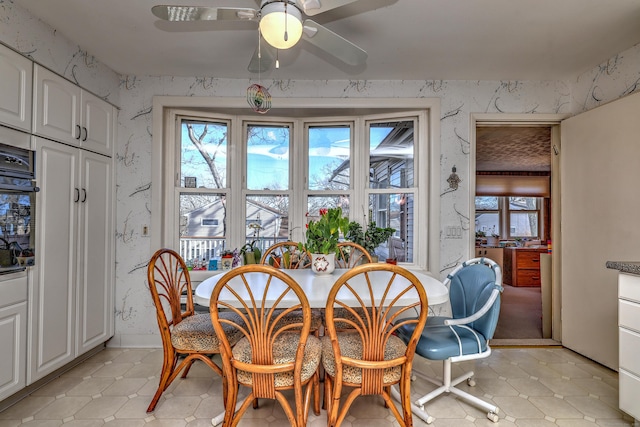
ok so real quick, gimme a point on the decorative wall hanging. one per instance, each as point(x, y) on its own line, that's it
point(259, 98)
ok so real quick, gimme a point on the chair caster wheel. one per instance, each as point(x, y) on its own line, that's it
point(471, 382)
point(429, 420)
point(493, 417)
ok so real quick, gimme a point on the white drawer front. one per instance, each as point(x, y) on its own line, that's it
point(629, 394)
point(13, 291)
point(629, 287)
point(629, 315)
point(629, 351)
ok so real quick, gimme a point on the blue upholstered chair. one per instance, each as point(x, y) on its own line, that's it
point(474, 292)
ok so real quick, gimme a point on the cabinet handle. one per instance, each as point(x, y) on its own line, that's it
point(84, 195)
point(86, 134)
point(77, 195)
point(78, 132)
point(535, 278)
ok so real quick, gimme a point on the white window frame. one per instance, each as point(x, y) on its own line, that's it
point(504, 217)
point(165, 109)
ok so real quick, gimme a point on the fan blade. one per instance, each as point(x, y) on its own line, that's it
point(198, 13)
point(313, 7)
point(332, 43)
point(260, 65)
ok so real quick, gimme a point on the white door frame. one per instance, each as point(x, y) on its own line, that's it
point(553, 120)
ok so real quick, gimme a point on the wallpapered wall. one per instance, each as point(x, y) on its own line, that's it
point(135, 317)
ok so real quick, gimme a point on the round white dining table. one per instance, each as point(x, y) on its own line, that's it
point(316, 287)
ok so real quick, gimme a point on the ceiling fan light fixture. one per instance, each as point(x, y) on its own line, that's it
point(281, 24)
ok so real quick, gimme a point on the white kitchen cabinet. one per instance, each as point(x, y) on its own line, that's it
point(13, 333)
point(629, 343)
point(72, 301)
point(66, 113)
point(15, 89)
point(494, 254)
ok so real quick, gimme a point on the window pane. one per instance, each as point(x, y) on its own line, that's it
point(202, 225)
point(315, 203)
point(524, 224)
point(267, 220)
point(487, 203)
point(203, 152)
point(268, 157)
point(395, 211)
point(488, 223)
point(329, 157)
point(523, 203)
point(391, 153)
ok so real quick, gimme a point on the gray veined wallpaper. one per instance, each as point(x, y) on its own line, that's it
point(135, 318)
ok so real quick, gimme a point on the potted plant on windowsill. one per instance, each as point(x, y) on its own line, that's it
point(493, 240)
point(370, 239)
point(322, 240)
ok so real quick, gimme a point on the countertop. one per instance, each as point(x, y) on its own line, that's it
point(624, 266)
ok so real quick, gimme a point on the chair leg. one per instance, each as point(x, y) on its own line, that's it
point(418, 411)
point(448, 385)
point(168, 365)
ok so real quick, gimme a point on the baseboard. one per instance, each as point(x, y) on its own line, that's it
point(519, 342)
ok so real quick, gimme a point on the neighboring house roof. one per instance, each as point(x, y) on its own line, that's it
point(208, 221)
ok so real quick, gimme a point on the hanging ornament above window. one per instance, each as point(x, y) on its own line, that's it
point(259, 98)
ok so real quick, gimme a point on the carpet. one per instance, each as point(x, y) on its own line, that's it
point(520, 313)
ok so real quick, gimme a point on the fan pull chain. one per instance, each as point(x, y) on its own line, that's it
point(277, 59)
point(286, 22)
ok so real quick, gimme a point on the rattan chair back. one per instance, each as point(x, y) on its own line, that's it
point(275, 353)
point(351, 254)
point(286, 255)
point(369, 358)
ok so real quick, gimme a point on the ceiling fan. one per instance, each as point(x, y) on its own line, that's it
point(281, 25)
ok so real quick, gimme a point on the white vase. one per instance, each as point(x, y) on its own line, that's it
point(323, 263)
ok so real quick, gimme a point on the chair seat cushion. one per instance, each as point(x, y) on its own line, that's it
point(439, 342)
point(195, 333)
point(295, 316)
point(284, 351)
point(351, 346)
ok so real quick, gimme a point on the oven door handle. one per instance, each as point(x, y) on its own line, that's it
point(21, 188)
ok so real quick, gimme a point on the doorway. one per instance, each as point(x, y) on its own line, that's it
point(513, 167)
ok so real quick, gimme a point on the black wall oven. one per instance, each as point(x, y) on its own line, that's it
point(17, 201)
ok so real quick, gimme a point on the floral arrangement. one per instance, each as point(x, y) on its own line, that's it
point(323, 235)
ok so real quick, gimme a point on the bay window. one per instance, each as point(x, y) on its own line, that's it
point(235, 179)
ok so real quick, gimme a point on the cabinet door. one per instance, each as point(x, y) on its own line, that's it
point(97, 124)
point(95, 253)
point(13, 335)
point(15, 89)
point(52, 311)
point(57, 109)
point(497, 255)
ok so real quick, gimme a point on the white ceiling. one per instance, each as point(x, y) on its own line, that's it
point(405, 39)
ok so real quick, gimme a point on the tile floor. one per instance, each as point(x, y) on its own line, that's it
point(533, 386)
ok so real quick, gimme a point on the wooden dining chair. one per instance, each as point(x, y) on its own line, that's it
point(351, 254)
point(287, 255)
point(269, 358)
point(185, 335)
point(370, 358)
